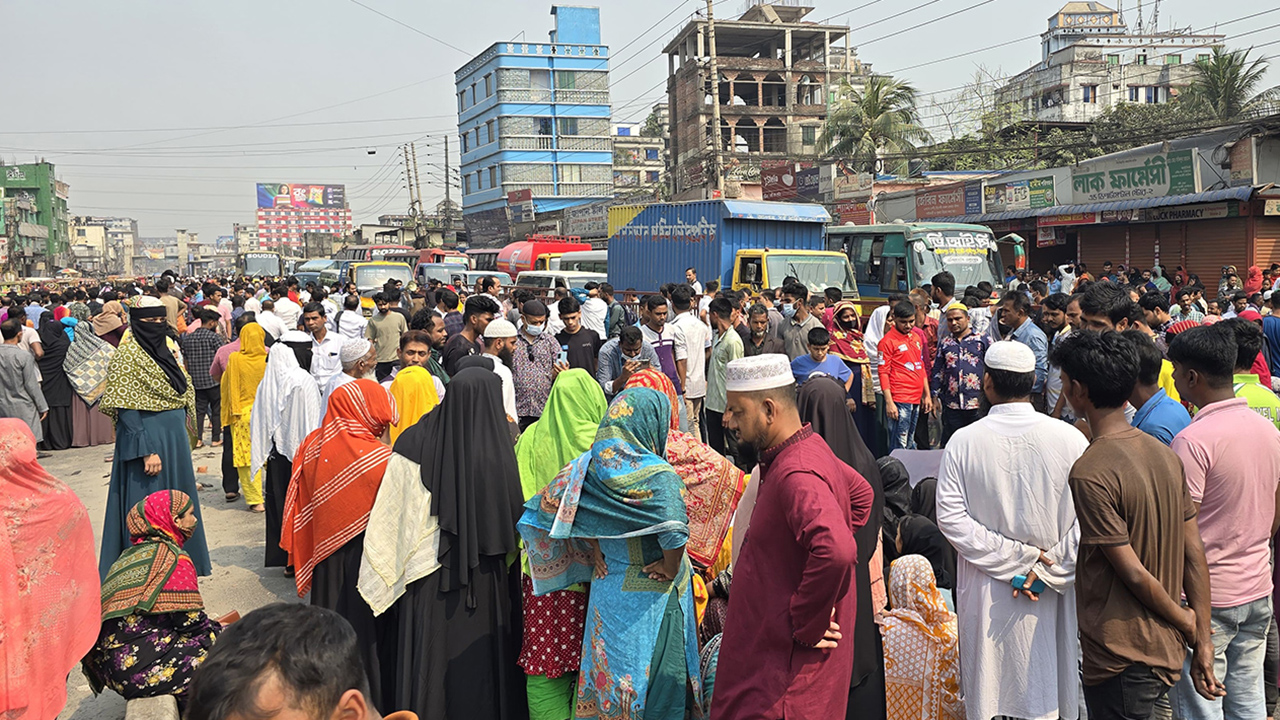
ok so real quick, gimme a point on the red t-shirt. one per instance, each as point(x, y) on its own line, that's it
point(902, 365)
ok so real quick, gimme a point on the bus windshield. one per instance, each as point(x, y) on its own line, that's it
point(373, 277)
point(970, 257)
point(816, 272)
point(261, 265)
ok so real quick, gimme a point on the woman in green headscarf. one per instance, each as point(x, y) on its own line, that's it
point(551, 651)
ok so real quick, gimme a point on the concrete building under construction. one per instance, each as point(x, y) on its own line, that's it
point(778, 76)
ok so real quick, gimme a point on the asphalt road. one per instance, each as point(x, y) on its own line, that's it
point(236, 541)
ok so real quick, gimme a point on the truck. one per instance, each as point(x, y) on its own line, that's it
point(745, 244)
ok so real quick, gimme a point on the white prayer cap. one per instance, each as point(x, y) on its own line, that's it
point(147, 301)
point(353, 350)
point(762, 372)
point(1011, 356)
point(292, 336)
point(500, 328)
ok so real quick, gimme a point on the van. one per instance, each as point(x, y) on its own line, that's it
point(552, 279)
point(596, 261)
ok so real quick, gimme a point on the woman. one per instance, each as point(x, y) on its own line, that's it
point(85, 365)
point(1159, 281)
point(895, 483)
point(551, 650)
point(48, 587)
point(336, 474)
point(846, 343)
point(414, 392)
point(150, 398)
point(921, 655)
point(640, 651)
point(54, 383)
point(239, 386)
point(435, 556)
point(1253, 280)
point(154, 629)
point(822, 405)
point(110, 323)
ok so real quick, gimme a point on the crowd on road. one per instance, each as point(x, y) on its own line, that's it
point(503, 504)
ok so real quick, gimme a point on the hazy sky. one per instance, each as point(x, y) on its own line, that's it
point(168, 112)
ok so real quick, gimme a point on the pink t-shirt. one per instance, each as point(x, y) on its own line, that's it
point(1231, 456)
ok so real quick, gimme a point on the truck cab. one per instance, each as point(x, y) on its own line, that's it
point(755, 269)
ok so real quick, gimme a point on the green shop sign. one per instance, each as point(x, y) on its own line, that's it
point(1136, 178)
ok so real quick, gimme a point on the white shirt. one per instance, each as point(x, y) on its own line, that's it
point(31, 337)
point(288, 311)
point(697, 287)
point(1002, 496)
point(272, 323)
point(352, 324)
point(508, 386)
point(554, 324)
point(252, 304)
point(697, 338)
point(326, 358)
point(595, 313)
point(871, 335)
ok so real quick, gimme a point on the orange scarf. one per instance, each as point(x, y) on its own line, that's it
point(330, 498)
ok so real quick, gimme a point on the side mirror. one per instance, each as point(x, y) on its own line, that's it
point(753, 273)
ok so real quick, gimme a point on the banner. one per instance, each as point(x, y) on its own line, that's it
point(301, 197)
point(588, 221)
point(1071, 219)
point(1136, 178)
point(784, 179)
point(1032, 194)
point(839, 182)
point(851, 213)
point(973, 198)
point(946, 202)
point(1208, 211)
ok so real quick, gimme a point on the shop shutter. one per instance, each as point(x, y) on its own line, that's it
point(1210, 245)
point(1099, 243)
point(1142, 248)
point(1267, 243)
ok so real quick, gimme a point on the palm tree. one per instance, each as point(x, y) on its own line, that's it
point(1226, 84)
point(878, 120)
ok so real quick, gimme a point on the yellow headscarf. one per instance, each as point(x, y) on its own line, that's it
point(244, 372)
point(414, 391)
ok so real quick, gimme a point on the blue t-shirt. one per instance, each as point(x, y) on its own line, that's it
point(1161, 417)
point(804, 367)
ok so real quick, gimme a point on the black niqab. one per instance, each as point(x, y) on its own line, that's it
point(302, 351)
point(897, 502)
point(922, 537)
point(469, 465)
point(153, 337)
point(924, 499)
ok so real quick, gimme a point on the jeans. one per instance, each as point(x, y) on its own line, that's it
point(1240, 646)
point(209, 402)
point(902, 431)
point(1131, 695)
point(953, 420)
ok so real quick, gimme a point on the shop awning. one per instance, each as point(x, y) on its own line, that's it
point(1237, 193)
point(987, 217)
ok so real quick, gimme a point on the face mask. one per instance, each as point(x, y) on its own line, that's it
point(847, 324)
point(534, 330)
point(788, 310)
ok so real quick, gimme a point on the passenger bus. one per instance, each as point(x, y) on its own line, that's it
point(537, 252)
point(484, 258)
point(595, 261)
point(260, 264)
point(370, 253)
point(414, 258)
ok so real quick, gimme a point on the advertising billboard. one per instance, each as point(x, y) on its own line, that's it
point(299, 196)
point(1136, 177)
point(946, 202)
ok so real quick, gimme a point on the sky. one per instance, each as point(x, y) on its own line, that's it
point(170, 112)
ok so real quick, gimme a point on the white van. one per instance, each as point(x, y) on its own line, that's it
point(552, 279)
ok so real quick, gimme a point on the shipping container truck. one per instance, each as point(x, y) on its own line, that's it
point(742, 243)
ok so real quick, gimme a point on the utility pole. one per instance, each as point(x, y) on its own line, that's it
point(450, 238)
point(715, 100)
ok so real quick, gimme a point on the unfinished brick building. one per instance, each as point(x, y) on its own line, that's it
point(778, 75)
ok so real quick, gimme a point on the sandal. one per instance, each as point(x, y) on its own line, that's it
point(232, 497)
point(259, 508)
point(288, 571)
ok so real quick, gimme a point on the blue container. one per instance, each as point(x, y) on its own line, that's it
point(661, 241)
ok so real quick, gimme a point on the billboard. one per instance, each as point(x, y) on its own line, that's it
point(945, 202)
point(1136, 177)
point(299, 196)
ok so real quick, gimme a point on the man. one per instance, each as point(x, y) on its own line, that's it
point(270, 322)
point(697, 339)
point(956, 380)
point(1018, 458)
point(726, 346)
point(691, 279)
point(198, 350)
point(1239, 303)
point(499, 348)
point(1055, 316)
point(433, 325)
point(1271, 330)
point(768, 298)
point(358, 361)
point(622, 357)
point(669, 343)
point(1158, 415)
point(797, 320)
point(477, 313)
point(326, 347)
point(903, 380)
point(20, 393)
point(534, 364)
point(286, 307)
point(1105, 306)
point(1107, 273)
point(579, 346)
point(616, 317)
point(596, 311)
point(1248, 340)
point(173, 307)
point(349, 322)
point(1140, 546)
point(284, 661)
point(1016, 314)
point(761, 341)
point(447, 309)
point(1186, 309)
point(28, 338)
point(385, 329)
point(794, 590)
point(35, 309)
point(1155, 312)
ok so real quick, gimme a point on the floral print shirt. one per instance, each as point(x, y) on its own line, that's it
point(957, 370)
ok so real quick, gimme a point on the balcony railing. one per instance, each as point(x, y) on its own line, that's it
point(526, 142)
point(585, 142)
point(583, 97)
point(530, 95)
point(546, 95)
point(585, 188)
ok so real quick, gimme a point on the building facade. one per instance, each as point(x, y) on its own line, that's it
point(103, 244)
point(288, 211)
point(534, 116)
point(778, 77)
point(246, 237)
point(1090, 61)
point(638, 161)
point(35, 221)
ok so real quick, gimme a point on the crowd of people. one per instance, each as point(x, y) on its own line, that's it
point(503, 505)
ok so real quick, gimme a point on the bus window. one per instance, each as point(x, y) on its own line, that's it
point(749, 271)
point(866, 253)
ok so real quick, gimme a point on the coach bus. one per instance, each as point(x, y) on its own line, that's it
point(370, 253)
point(260, 264)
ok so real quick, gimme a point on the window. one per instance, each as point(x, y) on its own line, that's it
point(567, 126)
point(569, 173)
point(462, 101)
point(488, 129)
point(1203, 57)
point(544, 126)
point(1090, 94)
point(566, 80)
point(464, 140)
point(487, 87)
point(651, 176)
point(466, 184)
point(1153, 94)
point(493, 176)
point(473, 93)
point(1172, 59)
point(809, 135)
point(624, 132)
point(479, 180)
point(1113, 60)
point(1140, 60)
point(651, 153)
point(1133, 93)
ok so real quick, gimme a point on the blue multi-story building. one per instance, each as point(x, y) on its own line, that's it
point(535, 116)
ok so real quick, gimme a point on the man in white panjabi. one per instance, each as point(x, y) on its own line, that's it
point(1004, 504)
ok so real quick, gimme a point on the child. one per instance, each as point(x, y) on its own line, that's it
point(902, 377)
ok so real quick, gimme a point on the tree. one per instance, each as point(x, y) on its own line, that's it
point(1226, 85)
point(877, 120)
point(652, 125)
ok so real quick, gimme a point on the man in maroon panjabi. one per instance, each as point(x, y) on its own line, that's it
point(782, 654)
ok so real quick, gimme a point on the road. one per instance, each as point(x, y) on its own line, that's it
point(236, 540)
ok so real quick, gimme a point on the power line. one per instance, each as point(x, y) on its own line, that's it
point(927, 22)
point(410, 27)
point(894, 16)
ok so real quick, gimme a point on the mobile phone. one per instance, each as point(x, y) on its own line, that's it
point(1037, 587)
point(564, 355)
point(643, 363)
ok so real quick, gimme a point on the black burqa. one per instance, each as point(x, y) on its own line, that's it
point(920, 536)
point(153, 338)
point(822, 405)
point(55, 384)
point(277, 474)
point(458, 634)
point(897, 503)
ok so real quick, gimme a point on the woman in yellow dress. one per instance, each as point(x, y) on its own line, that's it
point(245, 369)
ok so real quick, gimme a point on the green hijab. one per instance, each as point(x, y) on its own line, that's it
point(566, 430)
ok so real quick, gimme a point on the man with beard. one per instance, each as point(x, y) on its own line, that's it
point(290, 401)
point(1055, 317)
point(359, 360)
point(760, 341)
point(793, 591)
point(499, 348)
